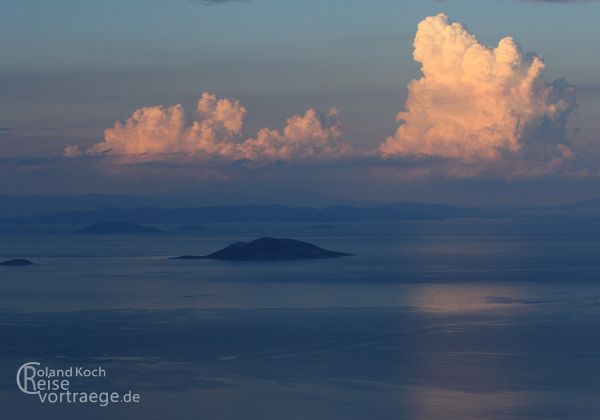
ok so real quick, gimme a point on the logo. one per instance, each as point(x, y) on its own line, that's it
point(54, 385)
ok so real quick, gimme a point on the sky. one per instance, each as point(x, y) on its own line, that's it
point(379, 100)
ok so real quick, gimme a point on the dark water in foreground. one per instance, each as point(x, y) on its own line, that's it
point(468, 319)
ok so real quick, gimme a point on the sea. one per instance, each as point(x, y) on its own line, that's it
point(440, 319)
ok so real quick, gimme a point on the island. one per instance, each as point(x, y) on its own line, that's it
point(189, 228)
point(322, 227)
point(117, 228)
point(268, 249)
point(16, 262)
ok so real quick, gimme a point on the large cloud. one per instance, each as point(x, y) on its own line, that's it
point(157, 133)
point(477, 104)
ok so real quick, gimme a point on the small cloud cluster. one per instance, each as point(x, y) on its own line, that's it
point(308, 136)
point(72, 151)
point(216, 131)
point(477, 104)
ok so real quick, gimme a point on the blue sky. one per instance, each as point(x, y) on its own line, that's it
point(70, 69)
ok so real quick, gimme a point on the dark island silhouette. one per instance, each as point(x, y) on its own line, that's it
point(16, 262)
point(190, 228)
point(268, 249)
point(116, 228)
point(322, 227)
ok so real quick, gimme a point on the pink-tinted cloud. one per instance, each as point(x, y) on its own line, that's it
point(72, 151)
point(156, 130)
point(308, 136)
point(476, 111)
point(157, 133)
point(477, 104)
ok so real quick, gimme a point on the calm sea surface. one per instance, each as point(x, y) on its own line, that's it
point(461, 319)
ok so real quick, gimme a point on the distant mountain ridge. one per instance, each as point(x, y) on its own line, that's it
point(248, 214)
point(116, 228)
point(20, 205)
point(289, 214)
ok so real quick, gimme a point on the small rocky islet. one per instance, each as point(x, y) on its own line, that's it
point(191, 228)
point(17, 262)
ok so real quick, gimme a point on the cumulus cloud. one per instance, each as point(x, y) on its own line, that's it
point(476, 111)
point(72, 151)
point(478, 104)
point(310, 135)
point(216, 131)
